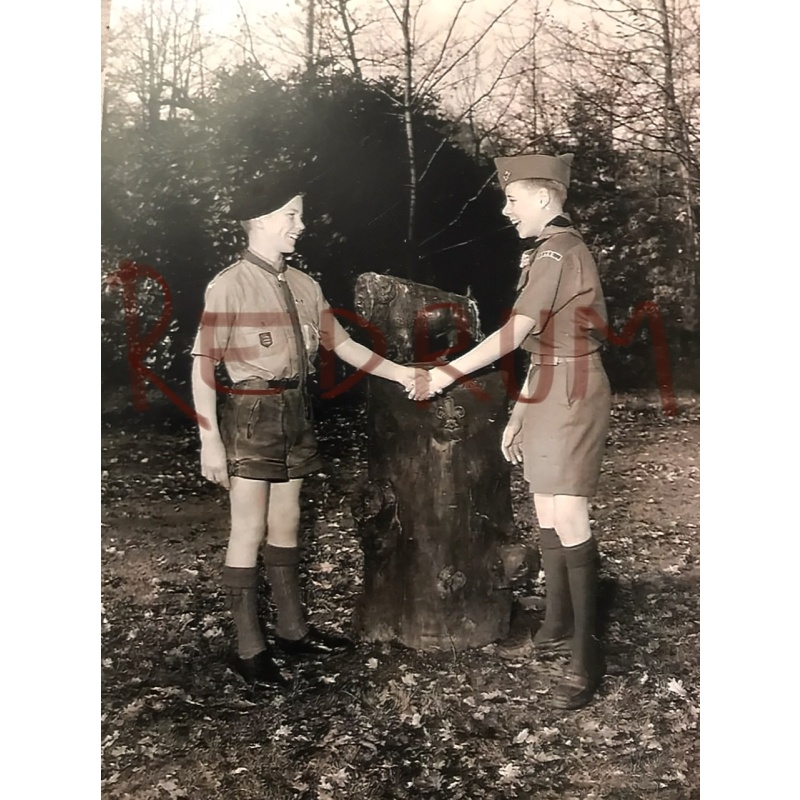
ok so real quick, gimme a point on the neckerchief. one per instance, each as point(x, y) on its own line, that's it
point(294, 318)
point(532, 242)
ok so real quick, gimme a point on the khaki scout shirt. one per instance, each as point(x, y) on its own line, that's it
point(559, 288)
point(245, 322)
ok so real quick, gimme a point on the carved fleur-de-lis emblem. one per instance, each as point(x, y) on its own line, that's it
point(450, 414)
point(385, 291)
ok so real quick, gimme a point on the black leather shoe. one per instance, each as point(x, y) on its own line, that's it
point(315, 643)
point(579, 684)
point(261, 668)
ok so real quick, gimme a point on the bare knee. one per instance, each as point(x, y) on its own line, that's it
point(283, 521)
point(248, 520)
point(282, 530)
point(543, 503)
point(571, 519)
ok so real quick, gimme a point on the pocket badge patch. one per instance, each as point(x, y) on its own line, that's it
point(265, 339)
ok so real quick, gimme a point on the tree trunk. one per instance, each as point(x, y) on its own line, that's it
point(311, 65)
point(435, 519)
point(349, 39)
point(436, 523)
point(408, 94)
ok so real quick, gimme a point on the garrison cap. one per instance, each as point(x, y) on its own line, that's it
point(526, 167)
point(264, 195)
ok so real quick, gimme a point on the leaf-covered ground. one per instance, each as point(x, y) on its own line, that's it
point(385, 721)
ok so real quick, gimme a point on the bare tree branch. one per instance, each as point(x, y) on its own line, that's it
point(460, 212)
point(453, 22)
point(425, 87)
point(394, 11)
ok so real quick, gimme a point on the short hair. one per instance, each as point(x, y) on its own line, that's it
point(557, 189)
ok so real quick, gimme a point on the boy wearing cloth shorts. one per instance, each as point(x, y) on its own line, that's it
point(265, 321)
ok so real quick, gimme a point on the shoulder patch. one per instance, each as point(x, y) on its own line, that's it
point(549, 254)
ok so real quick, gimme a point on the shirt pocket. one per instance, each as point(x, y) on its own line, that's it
point(310, 337)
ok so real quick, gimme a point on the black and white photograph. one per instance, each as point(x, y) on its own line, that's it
point(400, 400)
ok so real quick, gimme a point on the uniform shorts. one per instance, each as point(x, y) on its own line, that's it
point(269, 436)
point(564, 432)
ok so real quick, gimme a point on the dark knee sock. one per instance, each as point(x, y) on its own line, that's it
point(283, 573)
point(583, 569)
point(242, 587)
point(558, 603)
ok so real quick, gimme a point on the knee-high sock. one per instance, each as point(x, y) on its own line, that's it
point(283, 573)
point(558, 619)
point(583, 571)
point(242, 588)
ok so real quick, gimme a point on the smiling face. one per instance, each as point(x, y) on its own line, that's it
point(529, 207)
point(278, 231)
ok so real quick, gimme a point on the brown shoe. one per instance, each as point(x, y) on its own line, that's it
point(561, 645)
point(518, 645)
point(575, 690)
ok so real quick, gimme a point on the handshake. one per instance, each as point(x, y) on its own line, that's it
point(423, 384)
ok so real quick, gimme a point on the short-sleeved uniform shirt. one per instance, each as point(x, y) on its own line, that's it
point(565, 424)
point(246, 325)
point(559, 288)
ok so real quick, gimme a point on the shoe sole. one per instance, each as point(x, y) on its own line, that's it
point(250, 680)
point(531, 648)
point(554, 647)
point(573, 704)
point(518, 652)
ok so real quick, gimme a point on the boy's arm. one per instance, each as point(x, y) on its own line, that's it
point(335, 338)
point(213, 461)
point(362, 358)
point(501, 342)
point(511, 444)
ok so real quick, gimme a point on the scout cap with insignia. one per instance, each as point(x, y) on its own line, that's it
point(264, 195)
point(526, 167)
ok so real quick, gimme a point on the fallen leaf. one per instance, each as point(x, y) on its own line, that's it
point(676, 687)
point(509, 773)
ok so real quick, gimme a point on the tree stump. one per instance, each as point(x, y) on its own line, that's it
point(417, 323)
point(435, 520)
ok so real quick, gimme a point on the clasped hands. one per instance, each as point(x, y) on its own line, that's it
point(424, 384)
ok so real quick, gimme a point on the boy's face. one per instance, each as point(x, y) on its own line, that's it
point(526, 207)
point(281, 229)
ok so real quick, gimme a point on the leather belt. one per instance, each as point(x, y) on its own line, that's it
point(539, 360)
point(263, 383)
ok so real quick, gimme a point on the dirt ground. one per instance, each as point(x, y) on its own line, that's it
point(385, 721)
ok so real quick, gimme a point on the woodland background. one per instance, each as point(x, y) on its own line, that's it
point(393, 110)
